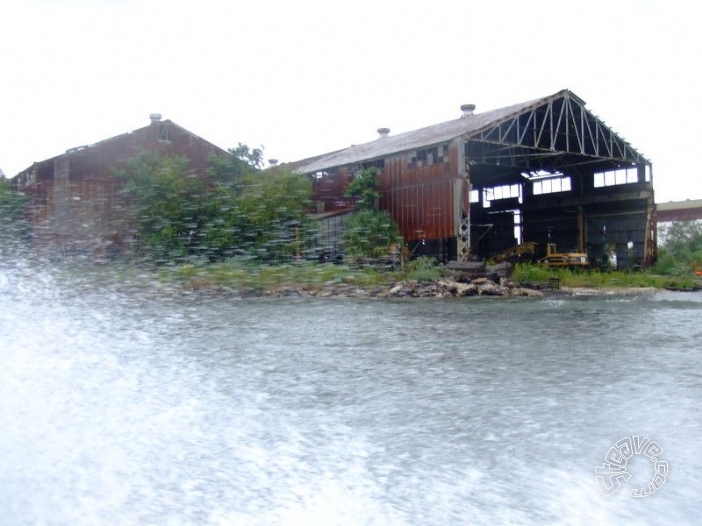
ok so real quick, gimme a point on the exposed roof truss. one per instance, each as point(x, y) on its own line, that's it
point(560, 128)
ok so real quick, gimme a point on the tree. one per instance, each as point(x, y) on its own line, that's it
point(365, 188)
point(168, 204)
point(230, 169)
point(681, 251)
point(370, 231)
point(235, 210)
point(251, 156)
point(273, 211)
point(14, 225)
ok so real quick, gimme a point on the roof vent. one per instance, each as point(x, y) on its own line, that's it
point(155, 117)
point(273, 162)
point(467, 109)
point(383, 133)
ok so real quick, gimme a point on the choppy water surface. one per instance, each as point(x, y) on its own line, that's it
point(124, 407)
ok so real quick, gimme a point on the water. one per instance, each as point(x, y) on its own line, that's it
point(121, 406)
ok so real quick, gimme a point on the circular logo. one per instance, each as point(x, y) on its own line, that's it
point(610, 474)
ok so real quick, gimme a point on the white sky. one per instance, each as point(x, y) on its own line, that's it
point(305, 77)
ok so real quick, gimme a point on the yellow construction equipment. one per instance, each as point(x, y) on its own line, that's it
point(564, 259)
point(531, 252)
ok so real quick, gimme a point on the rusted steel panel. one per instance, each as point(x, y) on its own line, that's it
point(422, 211)
point(418, 198)
point(329, 191)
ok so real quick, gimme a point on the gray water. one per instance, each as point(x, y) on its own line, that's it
point(121, 406)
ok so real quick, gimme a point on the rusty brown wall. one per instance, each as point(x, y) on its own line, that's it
point(419, 199)
point(77, 202)
point(329, 190)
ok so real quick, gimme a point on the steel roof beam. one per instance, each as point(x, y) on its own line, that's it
point(570, 128)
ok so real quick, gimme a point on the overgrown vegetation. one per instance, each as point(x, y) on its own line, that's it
point(243, 274)
point(680, 254)
point(237, 210)
point(679, 257)
point(424, 268)
point(14, 226)
point(370, 232)
point(534, 273)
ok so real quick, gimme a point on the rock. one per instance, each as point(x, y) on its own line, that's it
point(489, 288)
point(454, 288)
point(425, 291)
point(524, 292)
point(470, 270)
point(396, 289)
point(468, 290)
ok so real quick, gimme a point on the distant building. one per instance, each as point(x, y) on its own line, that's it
point(546, 170)
point(688, 210)
point(673, 211)
point(76, 202)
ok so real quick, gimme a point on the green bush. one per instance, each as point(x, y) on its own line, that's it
point(598, 278)
point(529, 272)
point(681, 252)
point(370, 234)
point(365, 188)
point(234, 210)
point(424, 268)
point(13, 210)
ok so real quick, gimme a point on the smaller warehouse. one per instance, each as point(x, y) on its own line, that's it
point(77, 205)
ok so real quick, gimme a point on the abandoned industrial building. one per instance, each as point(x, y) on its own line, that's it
point(76, 202)
point(544, 171)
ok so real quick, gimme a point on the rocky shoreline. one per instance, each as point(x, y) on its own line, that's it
point(441, 288)
point(454, 283)
point(444, 288)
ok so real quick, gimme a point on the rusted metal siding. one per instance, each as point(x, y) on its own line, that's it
point(419, 199)
point(418, 192)
point(420, 196)
point(329, 191)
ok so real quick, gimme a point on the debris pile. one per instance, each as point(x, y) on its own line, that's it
point(448, 287)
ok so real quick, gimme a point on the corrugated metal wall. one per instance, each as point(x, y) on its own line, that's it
point(417, 189)
point(419, 198)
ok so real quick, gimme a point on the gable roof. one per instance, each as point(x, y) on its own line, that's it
point(111, 140)
point(465, 126)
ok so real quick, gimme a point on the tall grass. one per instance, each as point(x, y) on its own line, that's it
point(244, 276)
point(598, 278)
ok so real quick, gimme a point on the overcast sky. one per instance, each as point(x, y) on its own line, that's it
point(303, 77)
